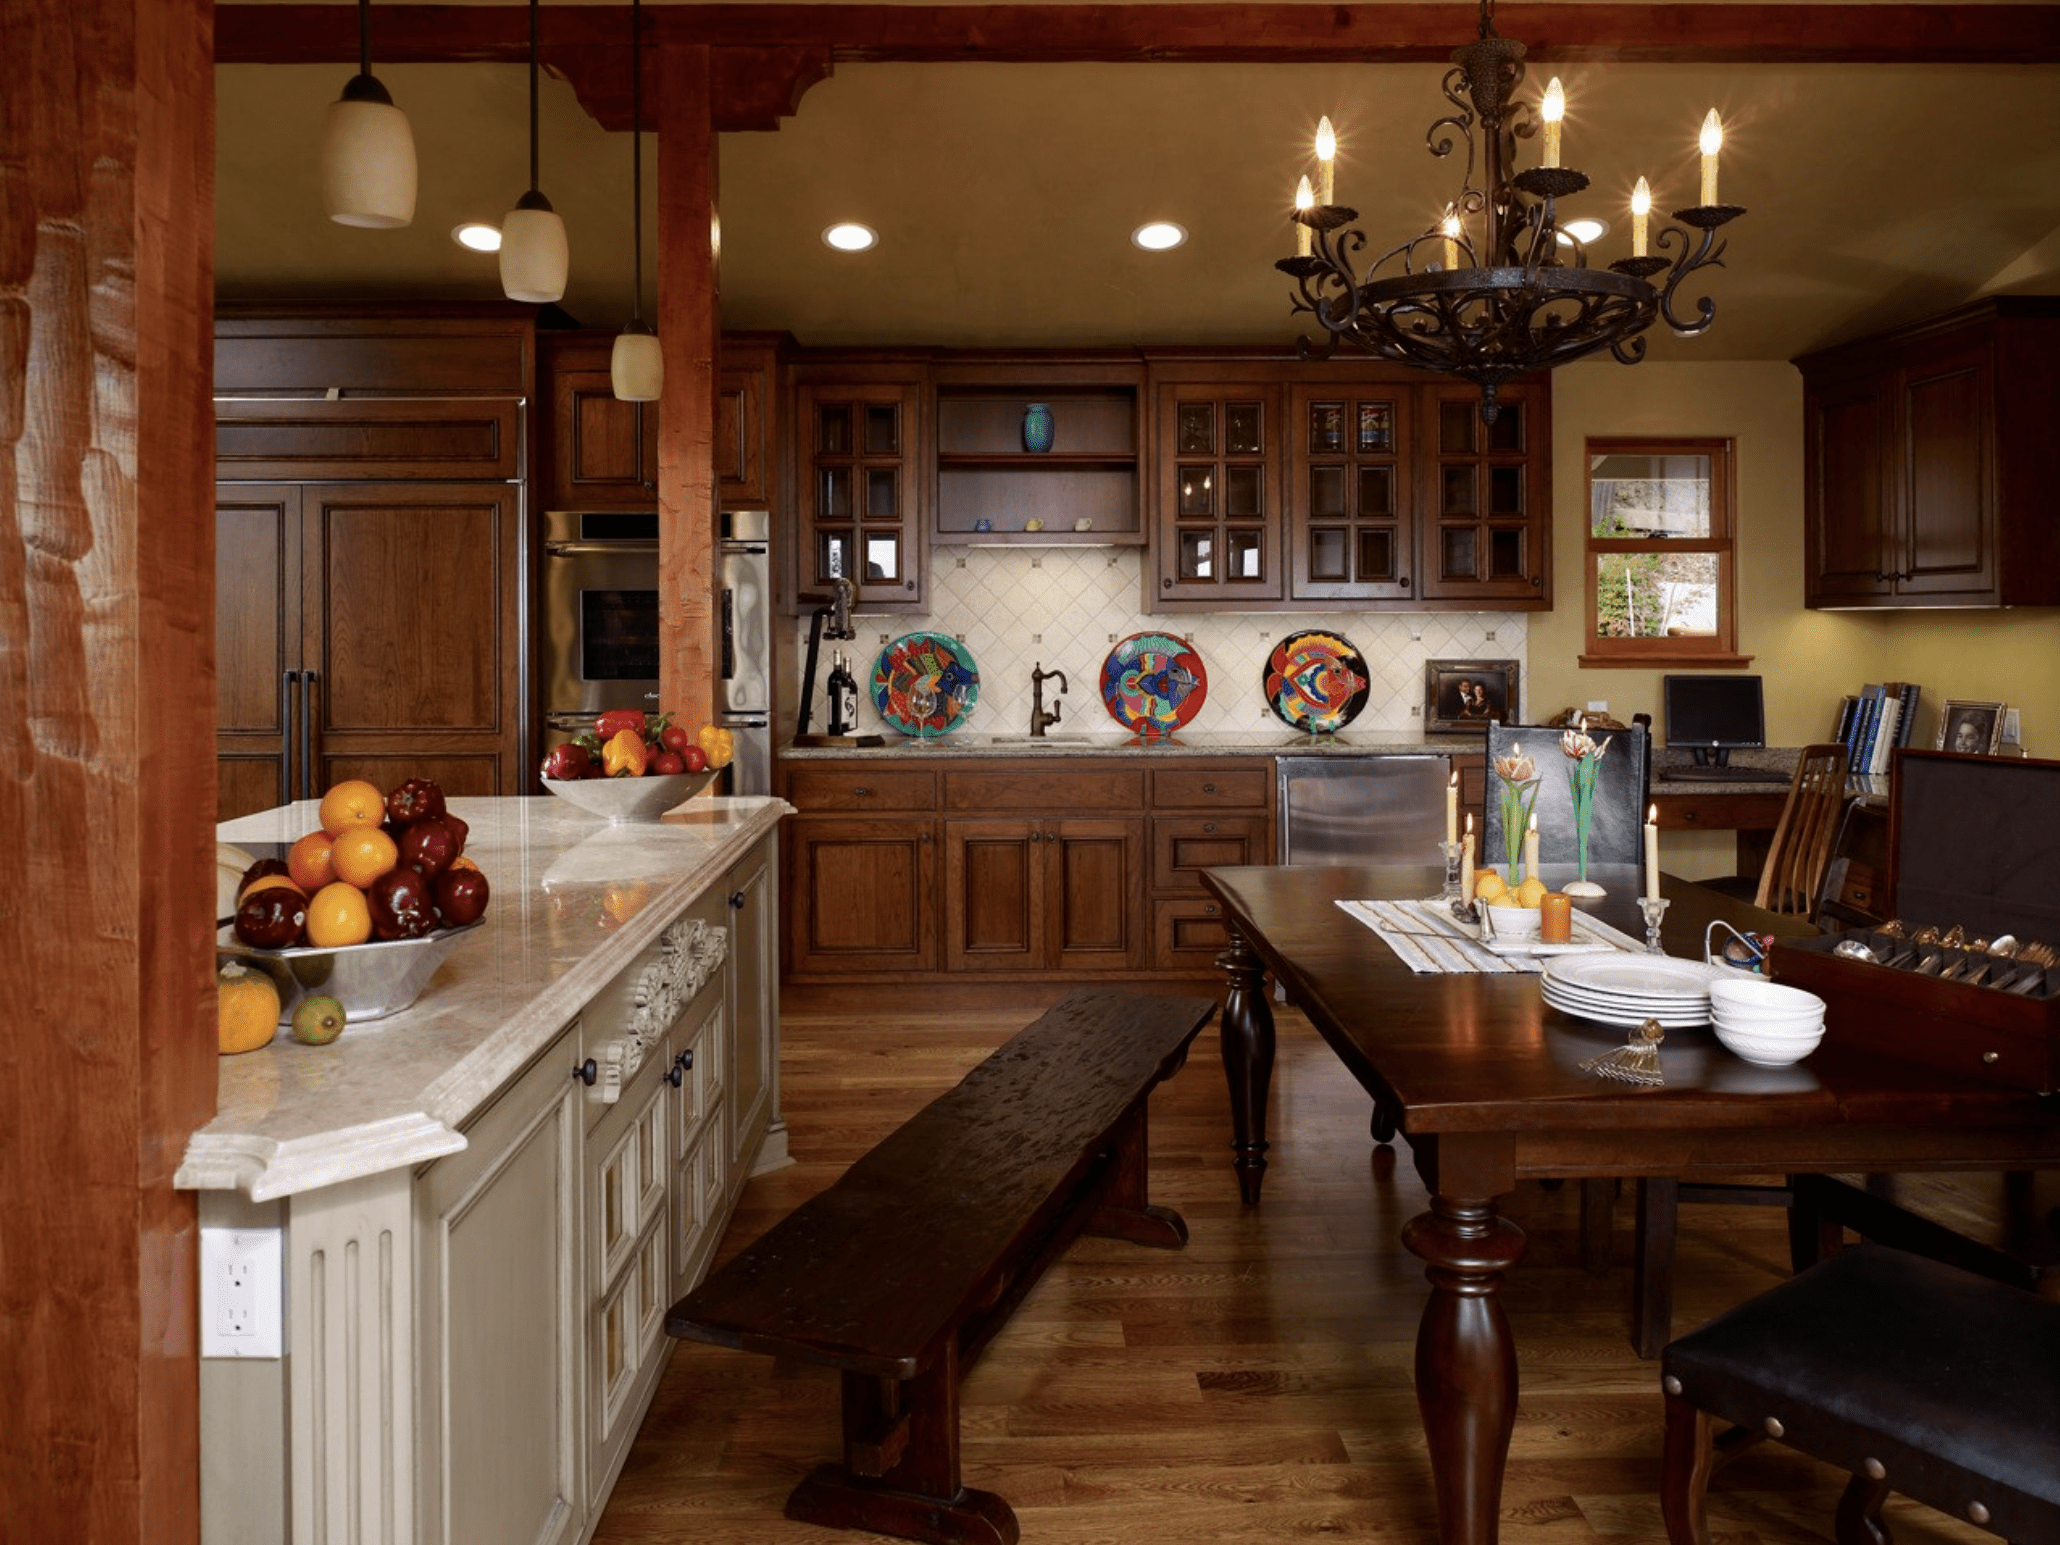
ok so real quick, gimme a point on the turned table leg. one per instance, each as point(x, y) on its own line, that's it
point(1465, 1360)
point(1247, 1059)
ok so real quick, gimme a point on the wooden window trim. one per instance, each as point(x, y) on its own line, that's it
point(1718, 650)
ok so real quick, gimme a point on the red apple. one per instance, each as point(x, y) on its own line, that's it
point(272, 918)
point(428, 846)
point(401, 905)
point(416, 800)
point(461, 896)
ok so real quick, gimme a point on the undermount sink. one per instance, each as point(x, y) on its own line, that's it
point(1048, 738)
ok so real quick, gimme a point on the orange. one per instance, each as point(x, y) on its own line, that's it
point(354, 802)
point(308, 862)
point(265, 880)
point(461, 862)
point(246, 1009)
point(338, 915)
point(362, 854)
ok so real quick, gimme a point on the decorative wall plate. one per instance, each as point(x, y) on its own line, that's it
point(1153, 683)
point(925, 684)
point(1316, 681)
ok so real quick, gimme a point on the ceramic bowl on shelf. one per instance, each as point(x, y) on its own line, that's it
point(623, 800)
point(370, 980)
point(1514, 922)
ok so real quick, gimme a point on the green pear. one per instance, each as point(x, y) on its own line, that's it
point(317, 1020)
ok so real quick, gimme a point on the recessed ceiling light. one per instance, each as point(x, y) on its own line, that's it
point(850, 236)
point(478, 236)
point(1587, 230)
point(1159, 235)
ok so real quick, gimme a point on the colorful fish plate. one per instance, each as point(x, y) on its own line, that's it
point(1153, 683)
point(925, 684)
point(1316, 681)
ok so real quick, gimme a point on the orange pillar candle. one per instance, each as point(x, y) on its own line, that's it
point(1556, 918)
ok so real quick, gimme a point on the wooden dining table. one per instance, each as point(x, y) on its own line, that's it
point(1483, 1081)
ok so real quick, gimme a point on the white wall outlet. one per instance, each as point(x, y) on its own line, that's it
point(242, 1305)
point(1598, 705)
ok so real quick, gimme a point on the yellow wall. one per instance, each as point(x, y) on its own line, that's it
point(1809, 659)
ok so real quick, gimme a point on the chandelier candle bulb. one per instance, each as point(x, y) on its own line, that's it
point(1552, 110)
point(1712, 142)
point(1652, 852)
point(1641, 206)
point(1451, 229)
point(1326, 163)
point(1305, 198)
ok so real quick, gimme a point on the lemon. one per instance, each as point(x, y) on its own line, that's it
point(1530, 893)
point(246, 1009)
point(1487, 885)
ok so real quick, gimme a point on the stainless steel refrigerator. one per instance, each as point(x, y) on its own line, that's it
point(744, 689)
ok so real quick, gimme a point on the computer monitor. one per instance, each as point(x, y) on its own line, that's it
point(1713, 714)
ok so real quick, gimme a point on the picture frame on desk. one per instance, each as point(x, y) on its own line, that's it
point(1968, 727)
point(1468, 694)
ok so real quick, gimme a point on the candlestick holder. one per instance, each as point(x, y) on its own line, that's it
point(1654, 908)
point(1452, 851)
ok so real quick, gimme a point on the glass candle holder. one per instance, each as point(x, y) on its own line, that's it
point(1452, 852)
point(1654, 908)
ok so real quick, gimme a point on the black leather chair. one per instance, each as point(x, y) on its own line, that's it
point(1914, 1377)
point(1617, 822)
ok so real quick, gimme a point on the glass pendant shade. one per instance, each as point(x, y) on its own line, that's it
point(637, 367)
point(534, 254)
point(367, 159)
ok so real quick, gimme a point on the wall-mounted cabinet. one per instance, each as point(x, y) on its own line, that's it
point(862, 467)
point(1001, 482)
point(1219, 517)
point(1486, 496)
point(1927, 473)
point(1352, 530)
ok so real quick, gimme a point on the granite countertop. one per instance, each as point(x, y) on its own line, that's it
point(574, 901)
point(1113, 742)
point(1778, 762)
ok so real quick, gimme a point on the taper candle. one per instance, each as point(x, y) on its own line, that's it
point(1552, 109)
point(1641, 206)
point(1712, 141)
point(1652, 853)
point(1451, 227)
point(1466, 862)
point(1326, 162)
point(1452, 807)
point(1531, 850)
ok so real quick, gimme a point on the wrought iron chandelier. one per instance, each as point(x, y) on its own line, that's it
point(1524, 297)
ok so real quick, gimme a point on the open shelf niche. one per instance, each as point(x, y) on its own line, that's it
point(1090, 473)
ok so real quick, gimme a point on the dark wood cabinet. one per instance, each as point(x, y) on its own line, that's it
point(600, 453)
point(863, 893)
point(1044, 894)
point(366, 630)
point(745, 390)
point(1219, 515)
point(862, 465)
point(1927, 478)
point(1485, 496)
point(1351, 499)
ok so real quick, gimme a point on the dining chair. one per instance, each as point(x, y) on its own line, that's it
point(1616, 825)
point(1792, 879)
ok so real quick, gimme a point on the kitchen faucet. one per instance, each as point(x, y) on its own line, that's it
point(1038, 717)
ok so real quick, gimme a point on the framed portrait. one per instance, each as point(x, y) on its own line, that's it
point(1972, 728)
point(1468, 694)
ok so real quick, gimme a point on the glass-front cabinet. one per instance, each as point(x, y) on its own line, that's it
point(861, 492)
point(1487, 500)
point(1352, 527)
point(1220, 511)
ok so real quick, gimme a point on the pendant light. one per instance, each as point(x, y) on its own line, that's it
point(368, 152)
point(637, 366)
point(533, 252)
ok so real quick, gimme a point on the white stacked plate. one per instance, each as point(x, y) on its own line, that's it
point(1764, 1022)
point(1620, 989)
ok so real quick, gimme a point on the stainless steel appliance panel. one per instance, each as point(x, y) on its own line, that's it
point(744, 662)
point(1343, 809)
point(600, 611)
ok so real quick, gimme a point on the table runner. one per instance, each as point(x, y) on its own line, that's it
point(1426, 937)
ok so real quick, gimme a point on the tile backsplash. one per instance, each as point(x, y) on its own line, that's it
point(1065, 607)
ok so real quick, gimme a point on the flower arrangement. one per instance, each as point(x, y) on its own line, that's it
point(1520, 780)
point(1584, 764)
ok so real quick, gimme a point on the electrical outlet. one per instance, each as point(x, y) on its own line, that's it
point(242, 1305)
point(1598, 705)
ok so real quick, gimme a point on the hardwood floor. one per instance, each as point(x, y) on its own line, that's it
point(1255, 1386)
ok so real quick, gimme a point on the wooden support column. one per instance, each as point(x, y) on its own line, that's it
point(107, 1041)
point(690, 333)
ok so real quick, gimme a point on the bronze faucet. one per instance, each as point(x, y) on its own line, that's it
point(1038, 717)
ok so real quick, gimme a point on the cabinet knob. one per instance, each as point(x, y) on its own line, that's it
point(1208, 826)
point(911, 585)
point(1403, 581)
point(736, 901)
point(1991, 1056)
point(861, 792)
point(1208, 788)
point(674, 1074)
point(586, 1072)
point(1537, 581)
point(1210, 909)
point(1165, 584)
point(923, 837)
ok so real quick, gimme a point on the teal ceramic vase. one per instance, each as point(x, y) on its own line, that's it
point(1037, 427)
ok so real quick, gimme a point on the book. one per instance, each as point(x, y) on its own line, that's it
point(1884, 734)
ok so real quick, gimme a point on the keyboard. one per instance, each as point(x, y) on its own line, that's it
point(1693, 774)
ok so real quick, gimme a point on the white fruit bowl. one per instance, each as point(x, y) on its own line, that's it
point(370, 980)
point(1514, 922)
point(622, 800)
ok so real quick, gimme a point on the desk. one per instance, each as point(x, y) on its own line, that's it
point(1483, 1082)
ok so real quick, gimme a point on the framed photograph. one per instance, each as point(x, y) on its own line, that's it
point(1973, 728)
point(1467, 694)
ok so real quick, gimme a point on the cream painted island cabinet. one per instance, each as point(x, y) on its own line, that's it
point(487, 1201)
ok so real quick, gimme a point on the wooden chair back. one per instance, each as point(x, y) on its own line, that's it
point(1794, 872)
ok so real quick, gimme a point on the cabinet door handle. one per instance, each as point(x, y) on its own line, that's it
point(307, 733)
point(586, 1072)
point(286, 680)
point(736, 901)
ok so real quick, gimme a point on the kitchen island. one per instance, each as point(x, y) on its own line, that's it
point(488, 1199)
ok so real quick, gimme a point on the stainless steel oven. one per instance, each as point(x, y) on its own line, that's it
point(600, 614)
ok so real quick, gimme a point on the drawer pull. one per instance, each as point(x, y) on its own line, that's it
point(1210, 909)
point(736, 901)
point(1991, 1056)
point(586, 1072)
point(1208, 788)
point(861, 792)
point(681, 1066)
point(1208, 826)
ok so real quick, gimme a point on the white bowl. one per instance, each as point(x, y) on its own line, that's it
point(630, 799)
point(1514, 922)
point(1756, 998)
point(1764, 1049)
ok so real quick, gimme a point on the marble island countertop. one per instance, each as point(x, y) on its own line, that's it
point(574, 900)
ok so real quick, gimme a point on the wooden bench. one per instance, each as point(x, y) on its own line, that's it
point(900, 1273)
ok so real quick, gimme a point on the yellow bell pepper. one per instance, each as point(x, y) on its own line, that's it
point(718, 744)
point(625, 755)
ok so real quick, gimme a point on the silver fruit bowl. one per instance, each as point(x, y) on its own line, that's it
point(370, 980)
point(622, 800)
